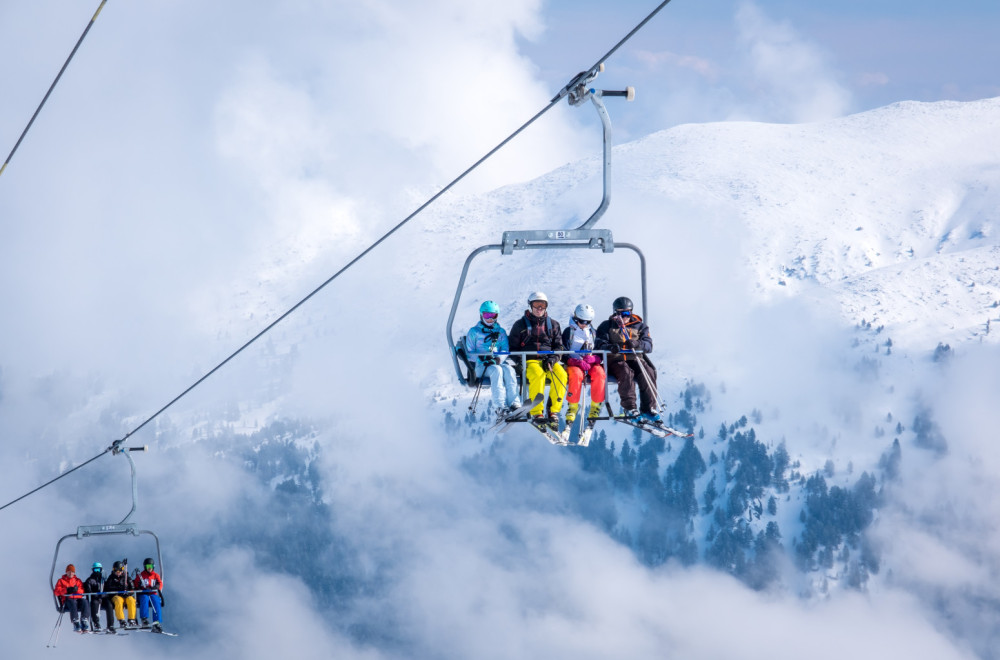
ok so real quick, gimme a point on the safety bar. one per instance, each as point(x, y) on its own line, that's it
point(525, 354)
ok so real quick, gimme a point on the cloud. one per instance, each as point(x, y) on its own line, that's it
point(702, 66)
point(793, 77)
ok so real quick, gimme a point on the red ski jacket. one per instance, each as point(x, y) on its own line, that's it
point(69, 586)
point(148, 580)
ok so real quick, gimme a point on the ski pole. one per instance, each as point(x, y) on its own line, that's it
point(639, 359)
point(54, 637)
point(475, 397)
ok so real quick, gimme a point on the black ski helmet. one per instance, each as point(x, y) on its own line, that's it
point(148, 561)
point(117, 566)
point(622, 303)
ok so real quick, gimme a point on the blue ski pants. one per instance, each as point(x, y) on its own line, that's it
point(144, 601)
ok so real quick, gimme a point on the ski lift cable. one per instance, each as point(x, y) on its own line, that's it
point(52, 481)
point(580, 79)
point(53, 85)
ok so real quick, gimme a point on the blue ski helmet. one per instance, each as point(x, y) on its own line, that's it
point(97, 566)
point(489, 307)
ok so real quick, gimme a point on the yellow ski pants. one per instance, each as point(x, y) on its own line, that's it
point(535, 373)
point(119, 606)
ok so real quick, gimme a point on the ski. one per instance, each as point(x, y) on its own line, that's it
point(550, 434)
point(659, 430)
point(154, 632)
point(588, 431)
point(514, 415)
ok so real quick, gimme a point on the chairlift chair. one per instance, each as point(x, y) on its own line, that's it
point(123, 528)
point(583, 237)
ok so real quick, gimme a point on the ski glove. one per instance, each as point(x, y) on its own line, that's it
point(550, 360)
point(488, 361)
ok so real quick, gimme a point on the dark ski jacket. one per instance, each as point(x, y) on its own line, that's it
point(535, 334)
point(117, 583)
point(623, 332)
point(94, 584)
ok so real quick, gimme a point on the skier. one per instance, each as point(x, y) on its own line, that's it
point(69, 591)
point(488, 337)
point(579, 336)
point(95, 585)
point(536, 331)
point(117, 584)
point(149, 586)
point(625, 331)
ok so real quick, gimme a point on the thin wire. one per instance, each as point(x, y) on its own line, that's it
point(584, 75)
point(52, 481)
point(570, 86)
point(53, 85)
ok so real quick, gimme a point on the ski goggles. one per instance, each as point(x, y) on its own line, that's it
point(623, 312)
point(490, 316)
point(581, 322)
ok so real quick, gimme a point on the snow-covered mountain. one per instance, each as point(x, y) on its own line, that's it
point(821, 298)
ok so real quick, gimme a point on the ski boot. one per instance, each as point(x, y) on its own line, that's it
point(145, 622)
point(76, 625)
point(133, 623)
point(652, 418)
point(630, 414)
point(571, 413)
point(501, 414)
point(595, 411)
point(157, 628)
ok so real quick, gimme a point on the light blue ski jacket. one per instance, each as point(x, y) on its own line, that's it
point(481, 338)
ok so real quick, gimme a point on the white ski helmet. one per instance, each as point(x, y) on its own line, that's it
point(584, 312)
point(538, 296)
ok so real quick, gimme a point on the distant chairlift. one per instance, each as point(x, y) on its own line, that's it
point(123, 528)
point(583, 237)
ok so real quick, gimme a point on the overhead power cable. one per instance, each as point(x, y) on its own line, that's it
point(53, 85)
point(576, 81)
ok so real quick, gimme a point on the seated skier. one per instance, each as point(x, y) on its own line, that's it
point(118, 586)
point(536, 331)
point(95, 585)
point(488, 337)
point(69, 591)
point(149, 587)
point(625, 331)
point(579, 336)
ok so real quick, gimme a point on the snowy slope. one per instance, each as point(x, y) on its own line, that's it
point(878, 208)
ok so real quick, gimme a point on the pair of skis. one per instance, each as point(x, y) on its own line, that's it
point(552, 435)
point(658, 429)
point(562, 438)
